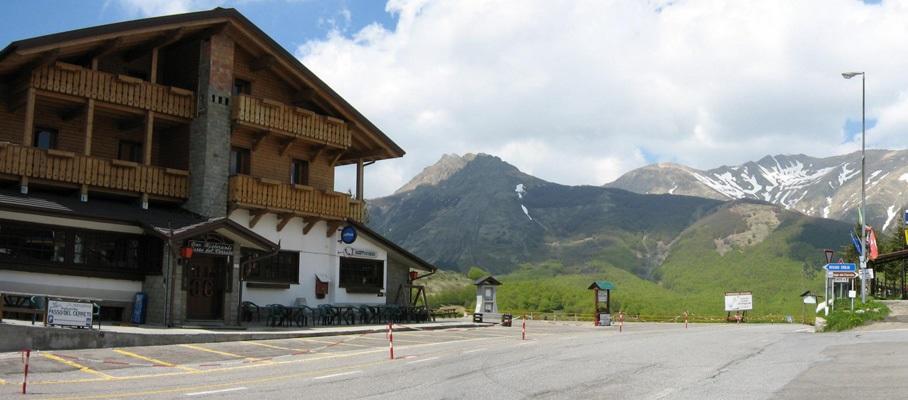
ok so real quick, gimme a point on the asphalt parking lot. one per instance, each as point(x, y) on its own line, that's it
point(558, 360)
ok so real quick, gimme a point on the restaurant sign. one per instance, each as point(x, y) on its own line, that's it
point(357, 252)
point(68, 313)
point(213, 248)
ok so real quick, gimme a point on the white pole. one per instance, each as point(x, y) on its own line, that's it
point(863, 196)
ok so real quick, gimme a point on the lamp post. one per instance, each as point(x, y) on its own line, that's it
point(849, 75)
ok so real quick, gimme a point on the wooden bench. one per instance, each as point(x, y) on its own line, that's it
point(19, 304)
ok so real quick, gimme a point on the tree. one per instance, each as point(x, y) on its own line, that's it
point(476, 272)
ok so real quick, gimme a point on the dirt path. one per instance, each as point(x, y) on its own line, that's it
point(897, 319)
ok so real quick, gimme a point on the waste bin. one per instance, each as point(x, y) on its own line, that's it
point(477, 317)
point(139, 304)
point(506, 319)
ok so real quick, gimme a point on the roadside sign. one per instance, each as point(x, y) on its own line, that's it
point(852, 294)
point(840, 279)
point(840, 267)
point(867, 273)
point(69, 313)
point(810, 300)
point(738, 301)
point(847, 275)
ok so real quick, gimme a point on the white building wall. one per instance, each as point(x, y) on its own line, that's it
point(318, 255)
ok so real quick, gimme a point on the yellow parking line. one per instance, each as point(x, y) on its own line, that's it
point(153, 360)
point(332, 343)
point(223, 353)
point(76, 365)
point(2, 382)
point(271, 346)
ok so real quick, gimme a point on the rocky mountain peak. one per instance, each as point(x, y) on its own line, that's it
point(448, 165)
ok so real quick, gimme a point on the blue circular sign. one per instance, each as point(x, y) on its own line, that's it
point(348, 234)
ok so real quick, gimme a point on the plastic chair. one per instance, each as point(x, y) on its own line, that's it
point(277, 315)
point(249, 309)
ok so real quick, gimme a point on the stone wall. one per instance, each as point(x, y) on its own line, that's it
point(209, 137)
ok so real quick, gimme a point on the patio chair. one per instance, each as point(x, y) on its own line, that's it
point(278, 315)
point(364, 313)
point(249, 309)
point(328, 314)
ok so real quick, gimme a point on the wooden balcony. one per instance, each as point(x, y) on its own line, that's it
point(259, 193)
point(69, 168)
point(291, 121)
point(73, 80)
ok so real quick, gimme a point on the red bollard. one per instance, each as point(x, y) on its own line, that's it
point(26, 354)
point(620, 321)
point(685, 320)
point(391, 340)
point(523, 334)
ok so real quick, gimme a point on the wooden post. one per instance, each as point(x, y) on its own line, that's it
point(153, 76)
point(359, 179)
point(149, 139)
point(89, 134)
point(28, 131)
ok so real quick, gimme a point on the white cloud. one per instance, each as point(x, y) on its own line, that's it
point(151, 8)
point(571, 92)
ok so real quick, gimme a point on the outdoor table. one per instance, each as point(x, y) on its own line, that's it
point(346, 314)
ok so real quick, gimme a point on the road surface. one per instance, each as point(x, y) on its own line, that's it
point(558, 360)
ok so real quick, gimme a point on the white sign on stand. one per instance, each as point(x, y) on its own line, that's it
point(852, 294)
point(738, 301)
point(69, 313)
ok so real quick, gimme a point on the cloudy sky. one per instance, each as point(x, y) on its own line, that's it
point(579, 92)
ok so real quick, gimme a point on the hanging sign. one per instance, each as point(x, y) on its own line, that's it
point(213, 248)
point(348, 234)
point(69, 313)
point(738, 301)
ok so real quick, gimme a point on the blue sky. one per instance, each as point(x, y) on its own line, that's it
point(582, 92)
point(291, 23)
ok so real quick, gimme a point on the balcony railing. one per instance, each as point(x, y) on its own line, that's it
point(67, 167)
point(293, 121)
point(122, 90)
point(250, 192)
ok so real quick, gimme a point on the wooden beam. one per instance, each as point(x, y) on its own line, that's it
point(283, 219)
point(153, 74)
point(29, 128)
point(149, 136)
point(359, 178)
point(318, 152)
point(264, 62)
point(286, 146)
point(105, 48)
point(332, 227)
point(159, 41)
point(257, 139)
point(89, 126)
point(48, 57)
point(310, 223)
point(256, 216)
point(206, 33)
point(337, 157)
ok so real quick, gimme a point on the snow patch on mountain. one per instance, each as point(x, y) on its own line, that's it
point(891, 212)
point(904, 178)
point(826, 209)
point(521, 191)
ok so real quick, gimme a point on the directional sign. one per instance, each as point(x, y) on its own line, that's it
point(840, 279)
point(841, 267)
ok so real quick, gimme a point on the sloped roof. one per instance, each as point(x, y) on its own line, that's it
point(602, 285)
point(487, 280)
point(25, 51)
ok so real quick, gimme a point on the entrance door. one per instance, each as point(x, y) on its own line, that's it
point(205, 300)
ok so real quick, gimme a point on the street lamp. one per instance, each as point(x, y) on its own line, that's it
point(849, 75)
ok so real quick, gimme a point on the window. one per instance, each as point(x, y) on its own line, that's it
point(46, 138)
point(299, 172)
point(281, 268)
point(358, 275)
point(239, 161)
point(241, 86)
point(24, 244)
point(130, 151)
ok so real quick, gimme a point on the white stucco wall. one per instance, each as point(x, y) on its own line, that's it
point(318, 255)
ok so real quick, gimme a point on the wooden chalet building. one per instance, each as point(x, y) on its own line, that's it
point(124, 146)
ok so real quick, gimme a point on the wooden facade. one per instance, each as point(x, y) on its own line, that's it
point(297, 200)
point(67, 167)
point(293, 122)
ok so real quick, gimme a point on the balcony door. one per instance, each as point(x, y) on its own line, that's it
point(205, 296)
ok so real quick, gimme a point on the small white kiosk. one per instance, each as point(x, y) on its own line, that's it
point(486, 299)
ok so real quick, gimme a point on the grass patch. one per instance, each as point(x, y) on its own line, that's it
point(843, 319)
